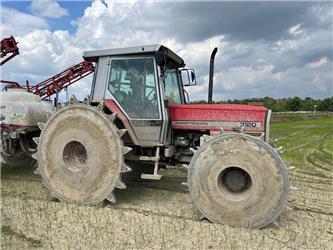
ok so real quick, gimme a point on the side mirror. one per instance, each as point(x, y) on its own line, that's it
point(193, 76)
point(188, 77)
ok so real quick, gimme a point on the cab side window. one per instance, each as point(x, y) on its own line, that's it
point(172, 90)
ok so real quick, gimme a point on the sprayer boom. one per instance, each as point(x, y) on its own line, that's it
point(8, 46)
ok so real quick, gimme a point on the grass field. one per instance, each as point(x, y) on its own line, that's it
point(300, 116)
point(159, 215)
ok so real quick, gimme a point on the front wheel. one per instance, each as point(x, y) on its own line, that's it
point(238, 180)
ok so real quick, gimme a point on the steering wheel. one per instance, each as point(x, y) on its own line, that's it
point(115, 82)
point(151, 105)
point(149, 94)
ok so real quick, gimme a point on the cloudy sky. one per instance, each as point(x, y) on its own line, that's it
point(278, 49)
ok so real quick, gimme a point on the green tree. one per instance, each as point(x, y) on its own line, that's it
point(326, 104)
point(307, 104)
point(294, 104)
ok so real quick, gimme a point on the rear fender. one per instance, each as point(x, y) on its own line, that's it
point(114, 108)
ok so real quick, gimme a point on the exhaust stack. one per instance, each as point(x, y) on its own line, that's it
point(211, 76)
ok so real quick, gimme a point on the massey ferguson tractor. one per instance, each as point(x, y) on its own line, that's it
point(138, 113)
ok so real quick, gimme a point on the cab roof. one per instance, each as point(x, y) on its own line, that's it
point(156, 49)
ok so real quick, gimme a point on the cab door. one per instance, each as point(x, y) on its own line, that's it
point(132, 83)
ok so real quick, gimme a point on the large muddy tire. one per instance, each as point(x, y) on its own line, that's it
point(238, 180)
point(80, 155)
point(17, 161)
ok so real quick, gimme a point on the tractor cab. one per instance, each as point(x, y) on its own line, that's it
point(139, 82)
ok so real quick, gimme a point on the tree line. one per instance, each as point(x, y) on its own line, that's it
point(284, 104)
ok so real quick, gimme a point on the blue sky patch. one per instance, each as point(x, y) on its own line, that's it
point(75, 10)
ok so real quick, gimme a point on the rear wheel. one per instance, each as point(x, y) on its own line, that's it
point(238, 180)
point(80, 155)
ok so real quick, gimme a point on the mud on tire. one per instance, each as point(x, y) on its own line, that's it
point(80, 155)
point(238, 180)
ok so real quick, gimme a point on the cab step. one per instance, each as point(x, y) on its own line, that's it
point(156, 158)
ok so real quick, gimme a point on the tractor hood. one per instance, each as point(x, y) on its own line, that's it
point(214, 117)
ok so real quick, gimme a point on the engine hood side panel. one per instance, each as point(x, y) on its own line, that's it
point(213, 117)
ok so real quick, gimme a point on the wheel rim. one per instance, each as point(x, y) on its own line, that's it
point(234, 180)
point(75, 156)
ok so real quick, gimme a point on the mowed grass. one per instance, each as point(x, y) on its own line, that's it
point(159, 215)
point(308, 145)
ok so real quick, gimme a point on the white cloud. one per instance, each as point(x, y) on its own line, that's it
point(197, 53)
point(229, 85)
point(48, 8)
point(322, 12)
point(18, 23)
point(285, 45)
point(296, 30)
point(317, 64)
point(277, 76)
point(243, 78)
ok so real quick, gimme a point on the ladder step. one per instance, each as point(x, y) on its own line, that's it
point(148, 158)
point(151, 176)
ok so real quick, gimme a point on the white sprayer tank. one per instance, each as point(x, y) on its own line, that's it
point(22, 108)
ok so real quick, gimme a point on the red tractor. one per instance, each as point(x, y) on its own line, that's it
point(137, 112)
